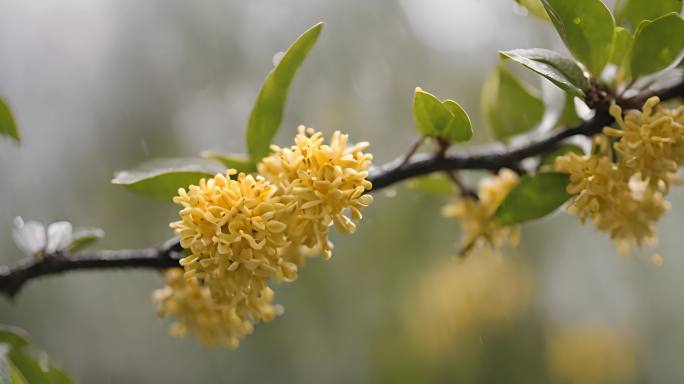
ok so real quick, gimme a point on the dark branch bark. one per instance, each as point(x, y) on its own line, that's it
point(13, 278)
point(489, 157)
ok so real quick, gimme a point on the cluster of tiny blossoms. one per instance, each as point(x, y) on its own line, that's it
point(621, 187)
point(475, 213)
point(243, 231)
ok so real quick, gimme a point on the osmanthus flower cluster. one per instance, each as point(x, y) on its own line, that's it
point(621, 187)
point(242, 231)
point(475, 214)
point(460, 299)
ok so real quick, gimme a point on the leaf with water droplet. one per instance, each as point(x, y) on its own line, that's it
point(267, 113)
point(586, 27)
point(535, 8)
point(656, 45)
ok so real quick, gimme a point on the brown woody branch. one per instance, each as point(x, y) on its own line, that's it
point(488, 157)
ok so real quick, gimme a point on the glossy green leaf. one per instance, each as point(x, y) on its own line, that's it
point(586, 27)
point(459, 128)
point(534, 197)
point(13, 336)
point(630, 13)
point(435, 184)
point(550, 157)
point(535, 8)
point(430, 115)
point(508, 105)
point(83, 236)
point(621, 45)
point(267, 113)
point(8, 126)
point(656, 45)
point(560, 70)
point(161, 178)
point(239, 162)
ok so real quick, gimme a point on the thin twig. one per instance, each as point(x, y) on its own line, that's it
point(412, 150)
point(462, 187)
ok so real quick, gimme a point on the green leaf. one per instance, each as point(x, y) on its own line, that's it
point(8, 126)
point(5, 367)
point(239, 162)
point(656, 45)
point(430, 115)
point(17, 377)
point(550, 157)
point(28, 366)
point(459, 128)
point(435, 118)
point(568, 117)
point(632, 12)
point(433, 184)
point(58, 376)
point(13, 336)
point(508, 105)
point(83, 236)
point(560, 70)
point(534, 197)
point(621, 45)
point(586, 27)
point(162, 178)
point(535, 8)
point(267, 113)
point(37, 369)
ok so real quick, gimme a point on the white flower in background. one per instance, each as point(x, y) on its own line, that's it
point(34, 239)
point(30, 237)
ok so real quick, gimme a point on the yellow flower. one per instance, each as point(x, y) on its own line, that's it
point(319, 183)
point(234, 232)
point(591, 355)
point(475, 215)
point(651, 142)
point(613, 200)
point(231, 225)
point(461, 299)
point(243, 231)
point(194, 308)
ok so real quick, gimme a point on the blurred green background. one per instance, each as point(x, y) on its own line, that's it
point(101, 86)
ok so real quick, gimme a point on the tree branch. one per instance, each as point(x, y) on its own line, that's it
point(488, 157)
point(13, 278)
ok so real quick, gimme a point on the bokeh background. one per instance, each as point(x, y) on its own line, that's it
point(98, 86)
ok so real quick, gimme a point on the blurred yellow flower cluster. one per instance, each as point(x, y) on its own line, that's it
point(591, 355)
point(243, 231)
point(466, 298)
point(194, 309)
point(475, 213)
point(621, 188)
